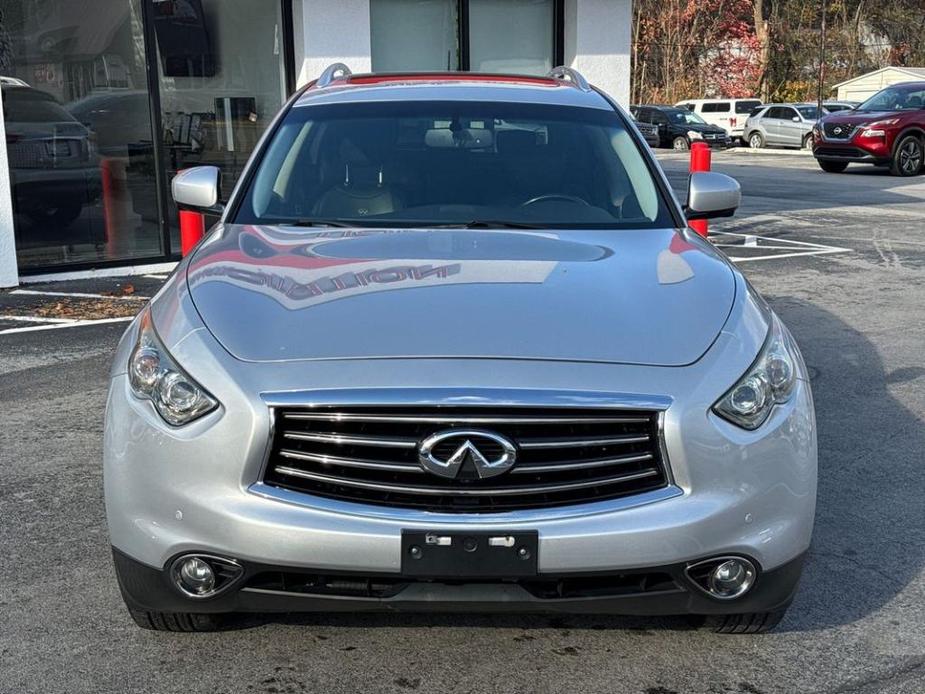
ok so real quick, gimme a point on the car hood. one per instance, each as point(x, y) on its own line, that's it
point(860, 117)
point(635, 297)
point(702, 128)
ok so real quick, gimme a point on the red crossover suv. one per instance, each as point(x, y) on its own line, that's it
point(886, 130)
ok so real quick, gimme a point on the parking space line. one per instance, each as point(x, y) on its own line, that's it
point(798, 254)
point(79, 295)
point(58, 325)
point(792, 247)
point(36, 319)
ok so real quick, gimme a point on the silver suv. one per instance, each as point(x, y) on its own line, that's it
point(782, 125)
point(452, 347)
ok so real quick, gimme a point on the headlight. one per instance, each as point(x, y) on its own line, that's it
point(155, 376)
point(694, 135)
point(769, 382)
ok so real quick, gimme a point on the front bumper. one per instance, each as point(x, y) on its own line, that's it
point(875, 151)
point(266, 589)
point(170, 492)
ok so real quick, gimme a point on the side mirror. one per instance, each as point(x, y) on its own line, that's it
point(711, 195)
point(198, 189)
point(797, 119)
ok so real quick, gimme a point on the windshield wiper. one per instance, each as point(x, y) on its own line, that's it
point(488, 224)
point(319, 223)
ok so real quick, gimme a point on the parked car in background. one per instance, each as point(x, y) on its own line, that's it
point(886, 130)
point(649, 133)
point(678, 127)
point(54, 168)
point(453, 347)
point(835, 106)
point(782, 125)
point(728, 114)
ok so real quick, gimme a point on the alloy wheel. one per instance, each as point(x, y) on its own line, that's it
point(910, 157)
point(755, 141)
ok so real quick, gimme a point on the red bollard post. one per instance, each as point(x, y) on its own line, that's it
point(700, 161)
point(192, 229)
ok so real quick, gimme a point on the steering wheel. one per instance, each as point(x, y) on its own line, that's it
point(555, 196)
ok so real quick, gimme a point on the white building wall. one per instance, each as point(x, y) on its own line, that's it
point(328, 32)
point(598, 37)
point(8, 272)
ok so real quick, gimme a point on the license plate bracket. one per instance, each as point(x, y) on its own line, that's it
point(469, 554)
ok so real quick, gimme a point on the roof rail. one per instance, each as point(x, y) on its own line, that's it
point(331, 73)
point(567, 74)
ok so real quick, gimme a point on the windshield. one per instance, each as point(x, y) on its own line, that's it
point(897, 98)
point(683, 116)
point(810, 112)
point(424, 163)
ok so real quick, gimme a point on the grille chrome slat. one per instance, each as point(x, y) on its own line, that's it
point(581, 443)
point(485, 491)
point(465, 419)
point(584, 465)
point(350, 462)
point(346, 440)
point(369, 454)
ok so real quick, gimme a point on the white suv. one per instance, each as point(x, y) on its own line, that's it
point(729, 114)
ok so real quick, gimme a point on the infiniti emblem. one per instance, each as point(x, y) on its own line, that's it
point(445, 452)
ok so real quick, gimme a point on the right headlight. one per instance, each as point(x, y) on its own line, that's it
point(155, 376)
point(768, 382)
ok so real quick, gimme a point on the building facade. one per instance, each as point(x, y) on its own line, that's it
point(105, 100)
point(864, 86)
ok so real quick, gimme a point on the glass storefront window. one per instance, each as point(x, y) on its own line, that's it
point(512, 36)
point(78, 130)
point(221, 78)
point(414, 35)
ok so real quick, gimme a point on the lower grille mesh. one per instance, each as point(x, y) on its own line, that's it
point(370, 455)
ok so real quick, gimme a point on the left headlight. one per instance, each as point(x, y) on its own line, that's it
point(155, 376)
point(768, 382)
point(694, 135)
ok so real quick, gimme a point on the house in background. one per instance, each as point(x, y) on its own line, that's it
point(864, 86)
point(105, 100)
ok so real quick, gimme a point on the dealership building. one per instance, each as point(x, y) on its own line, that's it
point(105, 100)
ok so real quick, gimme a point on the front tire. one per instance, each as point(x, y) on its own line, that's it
point(907, 157)
point(747, 623)
point(756, 140)
point(833, 166)
point(175, 621)
point(680, 144)
point(808, 142)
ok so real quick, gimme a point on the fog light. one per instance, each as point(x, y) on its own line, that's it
point(204, 575)
point(731, 579)
point(195, 576)
point(725, 578)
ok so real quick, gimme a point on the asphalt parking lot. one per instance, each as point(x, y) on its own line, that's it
point(840, 257)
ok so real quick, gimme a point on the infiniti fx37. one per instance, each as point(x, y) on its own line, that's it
point(452, 347)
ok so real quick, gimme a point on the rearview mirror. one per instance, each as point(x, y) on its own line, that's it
point(711, 195)
point(198, 189)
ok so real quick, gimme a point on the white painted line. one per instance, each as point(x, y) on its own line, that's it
point(37, 319)
point(80, 295)
point(156, 277)
point(786, 255)
point(72, 324)
point(774, 239)
point(101, 272)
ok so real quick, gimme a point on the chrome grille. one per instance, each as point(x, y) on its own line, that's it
point(370, 455)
